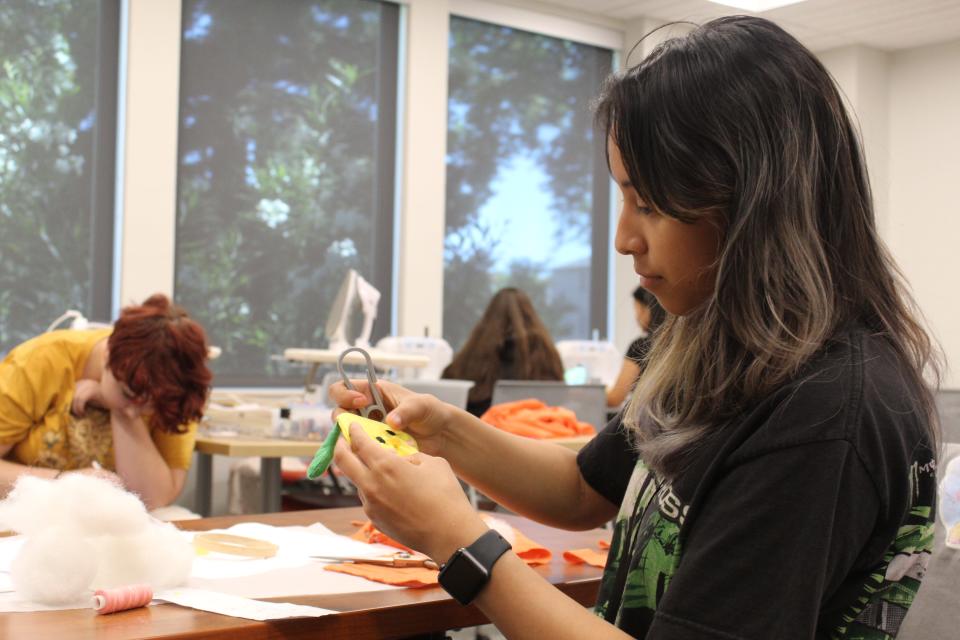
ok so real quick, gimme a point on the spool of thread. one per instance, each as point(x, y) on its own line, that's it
point(122, 598)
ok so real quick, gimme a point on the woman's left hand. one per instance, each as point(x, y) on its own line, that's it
point(415, 500)
point(86, 392)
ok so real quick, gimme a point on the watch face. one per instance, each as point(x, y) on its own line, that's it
point(473, 566)
point(463, 576)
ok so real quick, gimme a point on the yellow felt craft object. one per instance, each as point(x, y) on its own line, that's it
point(389, 438)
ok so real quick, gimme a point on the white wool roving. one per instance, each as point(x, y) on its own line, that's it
point(55, 566)
point(157, 556)
point(87, 533)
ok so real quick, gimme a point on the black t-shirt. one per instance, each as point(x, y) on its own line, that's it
point(809, 516)
point(638, 349)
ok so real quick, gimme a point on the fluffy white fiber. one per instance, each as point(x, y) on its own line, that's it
point(86, 533)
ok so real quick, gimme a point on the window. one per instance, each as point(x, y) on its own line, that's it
point(58, 97)
point(286, 171)
point(527, 200)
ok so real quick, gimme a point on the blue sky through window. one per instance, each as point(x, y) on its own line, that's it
point(519, 213)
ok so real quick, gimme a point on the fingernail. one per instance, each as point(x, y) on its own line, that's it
point(394, 419)
point(359, 401)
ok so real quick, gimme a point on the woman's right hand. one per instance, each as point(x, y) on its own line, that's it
point(421, 415)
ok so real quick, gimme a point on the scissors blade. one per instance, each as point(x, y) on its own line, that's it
point(391, 561)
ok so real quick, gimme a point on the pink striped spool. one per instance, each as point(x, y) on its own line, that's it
point(122, 598)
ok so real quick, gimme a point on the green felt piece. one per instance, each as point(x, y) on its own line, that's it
point(324, 455)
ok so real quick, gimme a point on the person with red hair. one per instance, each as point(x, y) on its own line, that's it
point(120, 402)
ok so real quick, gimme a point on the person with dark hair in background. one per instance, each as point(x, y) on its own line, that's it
point(121, 402)
point(649, 316)
point(773, 475)
point(510, 342)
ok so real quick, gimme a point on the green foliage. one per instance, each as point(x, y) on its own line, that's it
point(514, 93)
point(47, 98)
point(277, 172)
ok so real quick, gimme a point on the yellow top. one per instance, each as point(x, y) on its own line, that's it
point(37, 382)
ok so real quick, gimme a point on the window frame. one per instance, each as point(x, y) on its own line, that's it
point(104, 173)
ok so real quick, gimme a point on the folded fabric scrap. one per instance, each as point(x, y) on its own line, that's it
point(417, 577)
point(534, 419)
point(589, 556)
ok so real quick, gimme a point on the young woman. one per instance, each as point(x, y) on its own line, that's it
point(509, 343)
point(772, 476)
point(650, 315)
point(120, 402)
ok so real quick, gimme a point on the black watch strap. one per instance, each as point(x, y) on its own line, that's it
point(468, 570)
point(488, 548)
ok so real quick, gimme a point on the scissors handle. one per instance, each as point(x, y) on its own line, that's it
point(377, 404)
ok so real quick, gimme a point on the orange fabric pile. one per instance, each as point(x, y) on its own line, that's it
point(534, 419)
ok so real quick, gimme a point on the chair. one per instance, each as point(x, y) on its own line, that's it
point(588, 401)
point(453, 392)
point(600, 359)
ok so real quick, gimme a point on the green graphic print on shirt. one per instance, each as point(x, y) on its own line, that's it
point(635, 589)
point(892, 585)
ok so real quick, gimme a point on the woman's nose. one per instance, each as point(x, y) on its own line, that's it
point(628, 239)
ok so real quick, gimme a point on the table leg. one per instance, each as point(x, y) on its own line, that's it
point(271, 484)
point(203, 497)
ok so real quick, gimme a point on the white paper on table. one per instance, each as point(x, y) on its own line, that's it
point(295, 546)
point(238, 607)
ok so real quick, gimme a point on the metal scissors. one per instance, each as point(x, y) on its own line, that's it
point(399, 559)
point(377, 405)
point(324, 455)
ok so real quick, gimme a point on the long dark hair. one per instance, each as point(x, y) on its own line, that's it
point(740, 122)
point(509, 342)
point(657, 313)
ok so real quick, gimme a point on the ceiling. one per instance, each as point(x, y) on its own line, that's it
point(821, 24)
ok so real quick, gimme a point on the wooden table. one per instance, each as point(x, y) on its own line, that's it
point(270, 451)
point(389, 614)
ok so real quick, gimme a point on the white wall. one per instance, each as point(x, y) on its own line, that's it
point(924, 222)
point(906, 103)
point(863, 76)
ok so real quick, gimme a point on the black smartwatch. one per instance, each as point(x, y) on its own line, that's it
point(468, 569)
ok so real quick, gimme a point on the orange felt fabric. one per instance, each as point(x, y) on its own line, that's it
point(415, 577)
point(590, 556)
point(529, 551)
point(412, 577)
point(371, 535)
point(603, 544)
point(533, 419)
